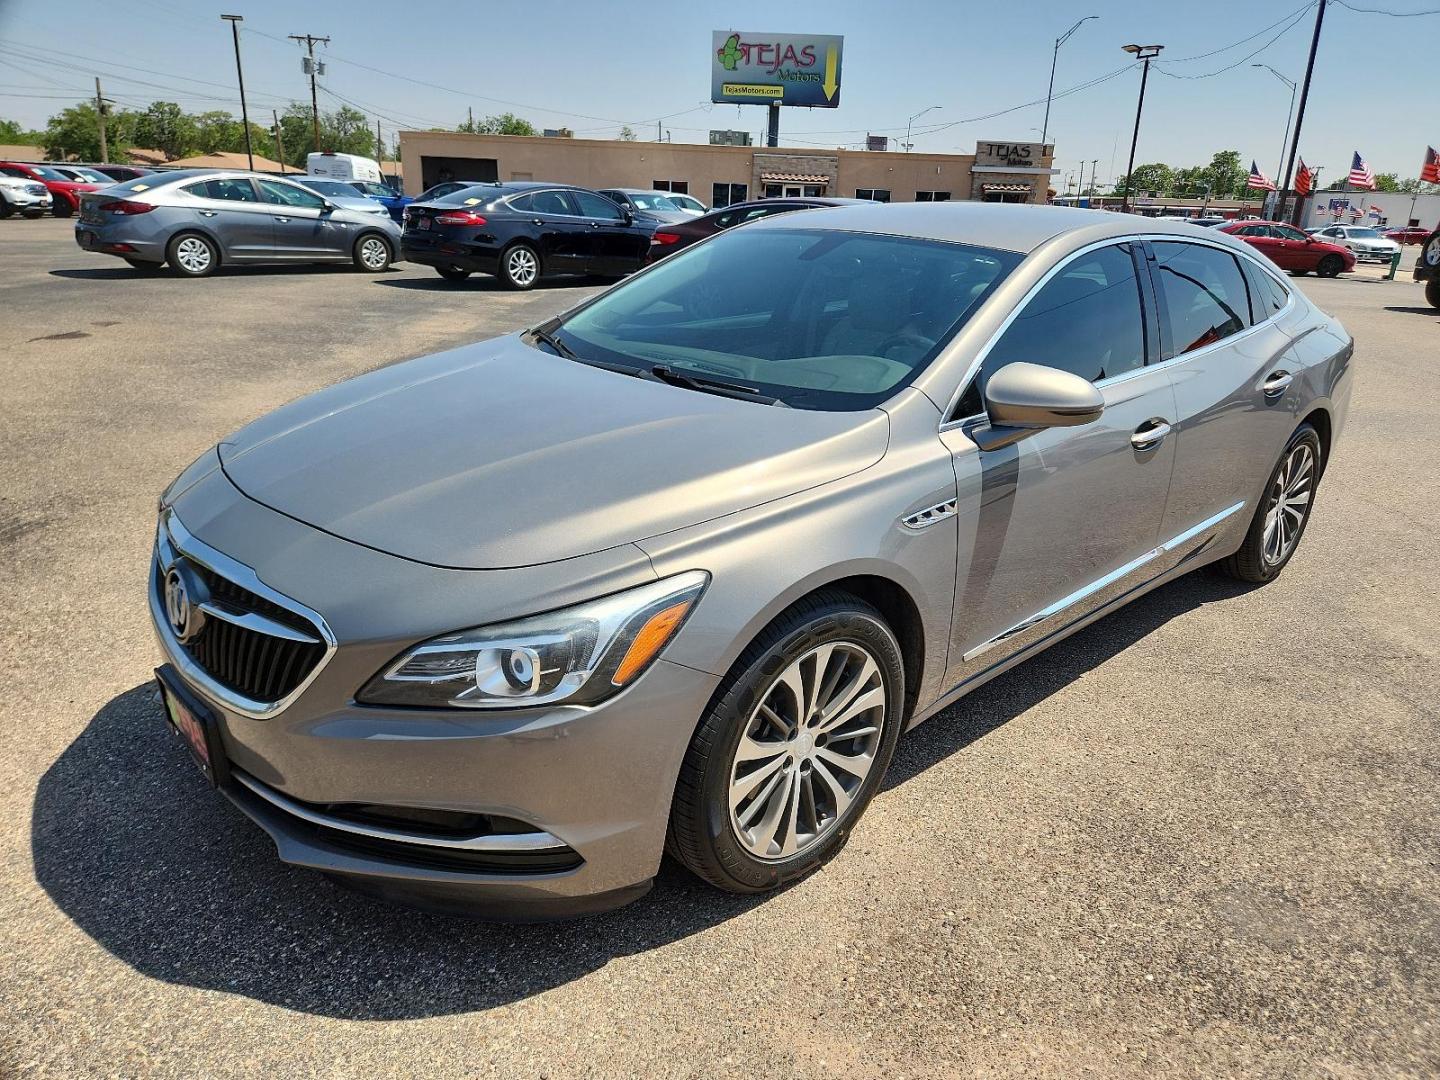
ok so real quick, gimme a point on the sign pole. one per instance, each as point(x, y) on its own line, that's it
point(772, 129)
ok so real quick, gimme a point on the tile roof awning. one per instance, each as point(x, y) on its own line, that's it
point(1006, 187)
point(794, 178)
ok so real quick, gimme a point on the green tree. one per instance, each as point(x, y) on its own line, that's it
point(1154, 178)
point(1387, 181)
point(627, 134)
point(504, 124)
point(1191, 182)
point(11, 133)
point(75, 133)
point(1226, 175)
point(166, 127)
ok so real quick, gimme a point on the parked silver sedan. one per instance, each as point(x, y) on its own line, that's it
point(675, 570)
point(1365, 243)
point(199, 220)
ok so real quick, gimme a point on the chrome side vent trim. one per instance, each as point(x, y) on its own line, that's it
point(923, 519)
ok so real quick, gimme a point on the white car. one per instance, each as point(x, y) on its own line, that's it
point(29, 197)
point(687, 203)
point(1365, 243)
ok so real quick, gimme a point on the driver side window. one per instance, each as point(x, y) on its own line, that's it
point(1088, 319)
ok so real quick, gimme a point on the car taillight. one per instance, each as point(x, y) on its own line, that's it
point(125, 206)
point(665, 238)
point(460, 217)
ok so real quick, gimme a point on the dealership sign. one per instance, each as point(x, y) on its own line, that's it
point(775, 69)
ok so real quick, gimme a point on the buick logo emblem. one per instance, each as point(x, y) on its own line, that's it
point(184, 593)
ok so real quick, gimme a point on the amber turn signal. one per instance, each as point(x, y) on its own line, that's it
point(658, 629)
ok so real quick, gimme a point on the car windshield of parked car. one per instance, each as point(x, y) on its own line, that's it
point(336, 188)
point(652, 202)
point(813, 318)
point(47, 173)
point(92, 176)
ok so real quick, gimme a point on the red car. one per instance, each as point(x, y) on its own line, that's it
point(1290, 249)
point(65, 192)
point(1406, 234)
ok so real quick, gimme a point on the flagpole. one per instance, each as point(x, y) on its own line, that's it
point(1300, 113)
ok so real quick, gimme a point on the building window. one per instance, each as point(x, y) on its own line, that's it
point(873, 194)
point(680, 187)
point(814, 191)
point(932, 196)
point(726, 194)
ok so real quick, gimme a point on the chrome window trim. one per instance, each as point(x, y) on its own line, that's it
point(1066, 602)
point(500, 842)
point(172, 536)
point(974, 369)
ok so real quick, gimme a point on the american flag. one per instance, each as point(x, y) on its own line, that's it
point(1360, 174)
point(1258, 180)
point(1430, 171)
point(1304, 180)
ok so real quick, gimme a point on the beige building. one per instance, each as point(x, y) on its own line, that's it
point(720, 175)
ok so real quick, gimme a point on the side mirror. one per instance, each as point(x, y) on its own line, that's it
point(1022, 399)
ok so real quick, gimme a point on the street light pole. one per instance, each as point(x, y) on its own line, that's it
point(1054, 58)
point(1289, 113)
point(235, 21)
point(1145, 53)
point(912, 120)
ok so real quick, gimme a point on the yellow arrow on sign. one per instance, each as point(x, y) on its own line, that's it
point(830, 84)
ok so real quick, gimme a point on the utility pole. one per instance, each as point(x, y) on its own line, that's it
point(1094, 164)
point(1145, 53)
point(100, 120)
point(235, 21)
point(1080, 191)
point(1300, 115)
point(310, 40)
point(279, 144)
point(379, 147)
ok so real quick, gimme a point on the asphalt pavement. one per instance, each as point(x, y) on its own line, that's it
point(1196, 839)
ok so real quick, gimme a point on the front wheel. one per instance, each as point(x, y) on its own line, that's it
point(520, 267)
point(61, 208)
point(1432, 292)
point(793, 747)
point(452, 273)
point(372, 254)
point(5, 209)
point(1330, 266)
point(1283, 513)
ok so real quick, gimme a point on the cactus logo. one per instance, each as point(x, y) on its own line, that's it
point(776, 69)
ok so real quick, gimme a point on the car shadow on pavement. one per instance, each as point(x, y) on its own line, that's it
point(173, 880)
point(1412, 310)
point(120, 273)
point(481, 283)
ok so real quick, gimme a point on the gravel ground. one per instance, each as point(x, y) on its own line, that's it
point(1196, 839)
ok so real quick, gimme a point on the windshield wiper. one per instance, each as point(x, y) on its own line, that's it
point(547, 338)
point(707, 385)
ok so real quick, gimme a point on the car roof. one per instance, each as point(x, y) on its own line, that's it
point(1018, 227)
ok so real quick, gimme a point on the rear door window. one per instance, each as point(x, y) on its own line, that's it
point(596, 206)
point(226, 189)
point(1267, 296)
point(1204, 299)
point(554, 202)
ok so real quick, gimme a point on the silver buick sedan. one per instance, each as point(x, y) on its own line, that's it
point(200, 219)
point(491, 630)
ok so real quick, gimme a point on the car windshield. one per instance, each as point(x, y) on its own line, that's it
point(47, 173)
point(1366, 234)
point(648, 201)
point(331, 187)
point(813, 318)
point(92, 176)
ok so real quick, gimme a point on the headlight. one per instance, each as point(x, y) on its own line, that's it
point(580, 655)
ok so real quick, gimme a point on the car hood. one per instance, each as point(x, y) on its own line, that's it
point(501, 455)
point(664, 217)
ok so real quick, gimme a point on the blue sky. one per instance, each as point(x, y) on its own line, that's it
point(593, 66)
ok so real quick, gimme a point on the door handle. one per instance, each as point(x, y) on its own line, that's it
point(1150, 434)
point(284, 219)
point(1277, 383)
point(208, 213)
point(537, 221)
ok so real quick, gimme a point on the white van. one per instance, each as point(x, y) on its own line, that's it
point(343, 167)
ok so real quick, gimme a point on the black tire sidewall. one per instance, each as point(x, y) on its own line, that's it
point(504, 269)
point(62, 209)
point(841, 622)
point(1432, 292)
point(1330, 266)
point(5, 209)
point(1255, 538)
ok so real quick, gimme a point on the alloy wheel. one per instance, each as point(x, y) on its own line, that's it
point(1289, 498)
point(373, 253)
point(520, 264)
point(193, 255)
point(806, 749)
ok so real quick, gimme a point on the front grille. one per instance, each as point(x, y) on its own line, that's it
point(248, 662)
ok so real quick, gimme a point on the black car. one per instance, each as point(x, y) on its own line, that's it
point(1427, 268)
point(671, 238)
point(521, 232)
point(122, 173)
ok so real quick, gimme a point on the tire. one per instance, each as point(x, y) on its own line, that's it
point(372, 254)
point(192, 255)
point(1432, 292)
point(862, 662)
point(520, 267)
point(1330, 266)
point(62, 209)
point(1258, 559)
point(6, 210)
point(452, 273)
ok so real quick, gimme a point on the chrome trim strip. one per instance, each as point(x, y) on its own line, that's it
point(1103, 582)
point(531, 841)
point(250, 620)
point(172, 536)
point(974, 368)
point(923, 519)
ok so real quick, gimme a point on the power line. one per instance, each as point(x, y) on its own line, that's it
point(1294, 22)
point(1226, 48)
point(1384, 11)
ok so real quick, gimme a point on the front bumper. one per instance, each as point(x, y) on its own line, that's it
point(1383, 257)
point(597, 781)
